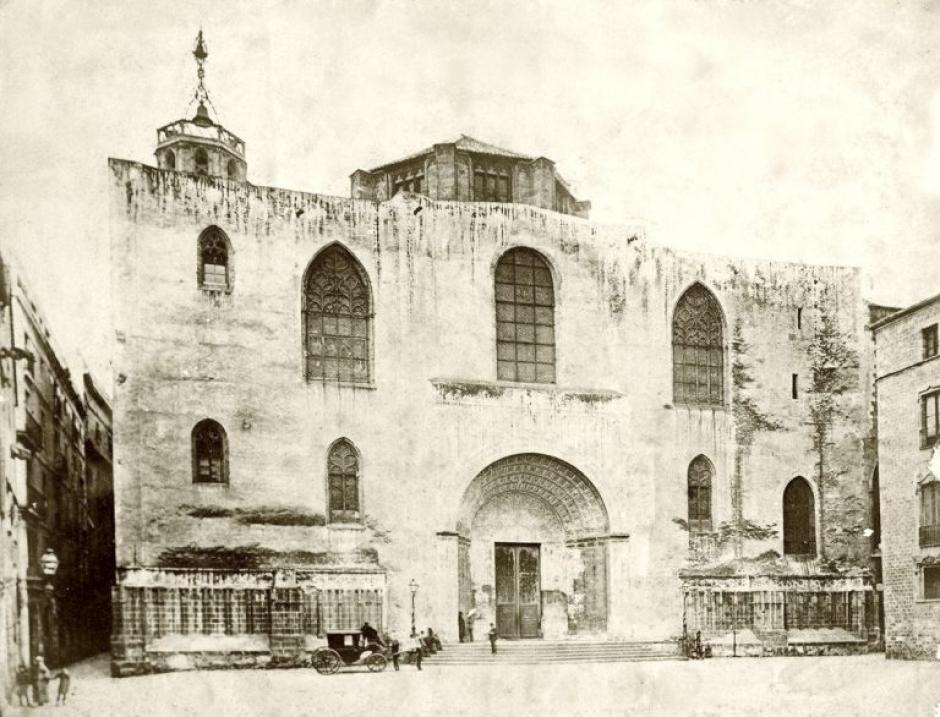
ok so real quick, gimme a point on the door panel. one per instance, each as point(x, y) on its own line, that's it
point(518, 590)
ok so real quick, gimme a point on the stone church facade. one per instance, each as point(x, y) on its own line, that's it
point(416, 401)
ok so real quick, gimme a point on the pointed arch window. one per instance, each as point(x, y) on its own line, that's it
point(698, 349)
point(214, 266)
point(343, 482)
point(525, 318)
point(210, 452)
point(799, 518)
point(337, 315)
point(700, 476)
point(170, 160)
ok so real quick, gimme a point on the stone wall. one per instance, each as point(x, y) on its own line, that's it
point(434, 415)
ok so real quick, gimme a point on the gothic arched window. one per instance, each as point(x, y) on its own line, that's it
point(525, 318)
point(210, 452)
point(170, 160)
point(700, 476)
point(698, 349)
point(799, 518)
point(337, 310)
point(343, 482)
point(232, 169)
point(214, 271)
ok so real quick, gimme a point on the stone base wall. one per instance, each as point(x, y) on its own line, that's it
point(172, 620)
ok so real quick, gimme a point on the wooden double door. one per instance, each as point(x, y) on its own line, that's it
point(518, 590)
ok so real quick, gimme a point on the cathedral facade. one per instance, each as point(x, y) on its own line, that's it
point(453, 391)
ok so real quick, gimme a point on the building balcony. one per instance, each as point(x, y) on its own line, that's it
point(929, 536)
point(29, 433)
point(211, 131)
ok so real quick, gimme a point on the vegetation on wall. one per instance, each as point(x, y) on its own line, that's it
point(748, 421)
point(834, 373)
point(262, 515)
point(254, 557)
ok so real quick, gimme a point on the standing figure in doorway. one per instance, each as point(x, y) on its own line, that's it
point(492, 636)
point(471, 616)
point(461, 627)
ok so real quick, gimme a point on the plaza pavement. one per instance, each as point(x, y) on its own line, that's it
point(865, 685)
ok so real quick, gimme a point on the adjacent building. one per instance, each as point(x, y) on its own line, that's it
point(908, 396)
point(56, 515)
point(432, 397)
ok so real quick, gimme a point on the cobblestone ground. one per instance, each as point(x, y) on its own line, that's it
point(866, 685)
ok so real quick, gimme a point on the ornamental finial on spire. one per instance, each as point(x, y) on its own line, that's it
point(202, 94)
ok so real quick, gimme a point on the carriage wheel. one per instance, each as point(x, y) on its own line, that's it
point(376, 663)
point(327, 662)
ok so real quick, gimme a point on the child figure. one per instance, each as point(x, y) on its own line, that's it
point(65, 679)
point(23, 683)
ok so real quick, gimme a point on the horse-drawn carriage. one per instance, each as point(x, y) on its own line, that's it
point(349, 648)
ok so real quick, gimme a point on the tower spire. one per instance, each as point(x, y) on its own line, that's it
point(202, 94)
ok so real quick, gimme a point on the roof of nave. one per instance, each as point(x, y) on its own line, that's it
point(464, 143)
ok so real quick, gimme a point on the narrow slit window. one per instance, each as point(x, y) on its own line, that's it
point(794, 386)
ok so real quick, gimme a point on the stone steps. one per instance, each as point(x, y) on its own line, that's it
point(541, 652)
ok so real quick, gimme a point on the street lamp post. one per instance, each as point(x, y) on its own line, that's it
point(413, 586)
point(49, 564)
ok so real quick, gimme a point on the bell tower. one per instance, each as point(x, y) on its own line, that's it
point(201, 145)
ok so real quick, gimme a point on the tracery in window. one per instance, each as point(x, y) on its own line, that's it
point(214, 272)
point(343, 482)
point(525, 318)
point(698, 348)
point(337, 309)
point(700, 494)
point(209, 449)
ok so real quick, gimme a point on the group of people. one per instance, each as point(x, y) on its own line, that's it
point(32, 685)
point(465, 628)
point(419, 647)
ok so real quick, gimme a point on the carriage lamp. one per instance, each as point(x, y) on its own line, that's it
point(413, 586)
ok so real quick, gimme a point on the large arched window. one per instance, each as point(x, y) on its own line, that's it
point(343, 482)
point(698, 349)
point(525, 318)
point(799, 518)
point(700, 476)
point(170, 160)
point(210, 452)
point(337, 309)
point(214, 271)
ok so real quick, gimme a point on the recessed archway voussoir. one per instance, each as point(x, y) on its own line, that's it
point(567, 491)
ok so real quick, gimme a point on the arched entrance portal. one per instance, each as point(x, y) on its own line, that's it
point(533, 549)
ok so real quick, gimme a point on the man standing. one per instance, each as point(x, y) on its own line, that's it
point(461, 627)
point(492, 635)
point(418, 650)
point(395, 648)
